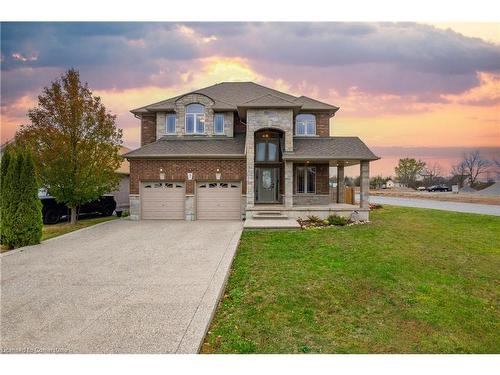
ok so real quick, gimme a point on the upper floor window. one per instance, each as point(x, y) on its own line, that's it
point(195, 119)
point(170, 124)
point(219, 123)
point(267, 147)
point(305, 124)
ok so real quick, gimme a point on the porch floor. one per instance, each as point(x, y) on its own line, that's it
point(329, 207)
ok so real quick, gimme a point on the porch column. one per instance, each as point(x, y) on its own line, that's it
point(288, 184)
point(364, 184)
point(250, 169)
point(340, 183)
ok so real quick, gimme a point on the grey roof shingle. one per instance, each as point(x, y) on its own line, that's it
point(330, 148)
point(313, 148)
point(192, 147)
point(230, 95)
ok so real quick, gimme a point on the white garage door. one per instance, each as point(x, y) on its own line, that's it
point(162, 200)
point(218, 201)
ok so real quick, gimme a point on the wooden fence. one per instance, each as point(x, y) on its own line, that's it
point(349, 195)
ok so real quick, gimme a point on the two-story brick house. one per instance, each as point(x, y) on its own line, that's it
point(239, 149)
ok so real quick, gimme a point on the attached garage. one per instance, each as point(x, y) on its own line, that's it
point(163, 200)
point(218, 201)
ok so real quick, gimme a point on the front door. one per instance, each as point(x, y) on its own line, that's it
point(266, 184)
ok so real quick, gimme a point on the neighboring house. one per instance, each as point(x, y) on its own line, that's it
point(122, 194)
point(389, 184)
point(239, 149)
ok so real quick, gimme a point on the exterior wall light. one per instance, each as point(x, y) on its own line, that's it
point(162, 174)
point(217, 174)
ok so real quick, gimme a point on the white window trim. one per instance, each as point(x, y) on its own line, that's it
point(305, 123)
point(166, 123)
point(305, 180)
point(223, 124)
point(195, 130)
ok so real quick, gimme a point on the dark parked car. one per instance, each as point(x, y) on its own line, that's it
point(52, 211)
point(438, 188)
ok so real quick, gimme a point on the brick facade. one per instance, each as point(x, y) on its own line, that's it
point(176, 170)
point(322, 123)
point(148, 129)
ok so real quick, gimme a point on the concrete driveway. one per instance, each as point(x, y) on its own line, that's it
point(118, 287)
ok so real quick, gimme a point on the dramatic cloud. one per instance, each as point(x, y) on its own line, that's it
point(405, 78)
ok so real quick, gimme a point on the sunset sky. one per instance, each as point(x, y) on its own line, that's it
point(407, 89)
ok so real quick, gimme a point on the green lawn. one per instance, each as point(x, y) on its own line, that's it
point(412, 281)
point(50, 231)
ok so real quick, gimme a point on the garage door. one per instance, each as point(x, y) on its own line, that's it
point(219, 201)
point(163, 200)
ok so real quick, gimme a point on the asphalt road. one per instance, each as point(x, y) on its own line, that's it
point(474, 208)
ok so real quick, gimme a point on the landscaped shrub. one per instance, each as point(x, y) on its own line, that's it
point(375, 206)
point(21, 207)
point(336, 220)
point(315, 220)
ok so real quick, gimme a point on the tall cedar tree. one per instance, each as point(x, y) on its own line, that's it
point(28, 219)
point(4, 166)
point(74, 141)
point(10, 199)
point(21, 207)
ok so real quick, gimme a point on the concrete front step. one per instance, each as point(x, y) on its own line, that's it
point(271, 224)
point(259, 216)
point(266, 215)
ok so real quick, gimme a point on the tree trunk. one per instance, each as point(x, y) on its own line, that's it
point(73, 215)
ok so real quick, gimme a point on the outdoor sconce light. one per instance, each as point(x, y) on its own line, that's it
point(162, 174)
point(190, 176)
point(217, 174)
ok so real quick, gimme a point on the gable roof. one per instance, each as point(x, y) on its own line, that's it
point(269, 100)
point(231, 95)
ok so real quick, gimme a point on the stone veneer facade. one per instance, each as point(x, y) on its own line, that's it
point(257, 119)
point(153, 127)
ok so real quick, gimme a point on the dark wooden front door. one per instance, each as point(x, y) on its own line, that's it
point(267, 184)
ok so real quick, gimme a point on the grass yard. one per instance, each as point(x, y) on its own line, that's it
point(412, 281)
point(50, 231)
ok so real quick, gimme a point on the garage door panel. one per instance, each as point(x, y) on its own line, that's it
point(163, 200)
point(219, 201)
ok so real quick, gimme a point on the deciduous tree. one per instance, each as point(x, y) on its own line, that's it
point(474, 166)
point(75, 142)
point(407, 171)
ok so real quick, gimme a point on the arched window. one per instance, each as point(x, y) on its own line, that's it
point(195, 119)
point(305, 124)
point(267, 147)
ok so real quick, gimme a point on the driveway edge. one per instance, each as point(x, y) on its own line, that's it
point(198, 327)
point(24, 248)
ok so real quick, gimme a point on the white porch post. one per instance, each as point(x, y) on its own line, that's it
point(340, 183)
point(288, 184)
point(364, 191)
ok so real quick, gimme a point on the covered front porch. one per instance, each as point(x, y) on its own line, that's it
point(307, 191)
